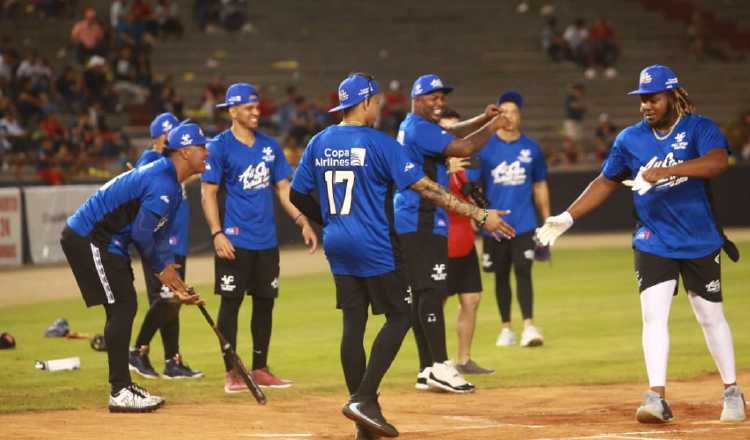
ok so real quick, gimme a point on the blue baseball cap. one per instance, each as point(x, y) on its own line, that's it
point(426, 84)
point(354, 89)
point(162, 124)
point(185, 135)
point(655, 79)
point(511, 96)
point(238, 94)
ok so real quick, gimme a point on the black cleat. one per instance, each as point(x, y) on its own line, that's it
point(363, 434)
point(175, 368)
point(139, 362)
point(366, 413)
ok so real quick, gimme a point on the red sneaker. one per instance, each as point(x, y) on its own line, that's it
point(264, 378)
point(233, 383)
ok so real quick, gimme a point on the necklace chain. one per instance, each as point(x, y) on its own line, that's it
point(671, 129)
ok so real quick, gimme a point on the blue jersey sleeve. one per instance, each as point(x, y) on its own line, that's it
point(151, 237)
point(157, 196)
point(431, 138)
point(403, 172)
point(539, 165)
point(281, 168)
point(304, 181)
point(709, 137)
point(148, 156)
point(616, 164)
point(214, 163)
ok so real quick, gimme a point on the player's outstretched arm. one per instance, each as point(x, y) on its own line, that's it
point(489, 219)
point(594, 195)
point(464, 147)
point(469, 126)
point(282, 188)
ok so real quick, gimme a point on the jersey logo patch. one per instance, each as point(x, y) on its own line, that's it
point(509, 174)
point(234, 230)
point(275, 283)
point(438, 272)
point(713, 287)
point(668, 161)
point(358, 157)
point(268, 155)
point(525, 156)
point(164, 199)
point(679, 141)
point(227, 283)
point(255, 176)
point(408, 166)
point(334, 157)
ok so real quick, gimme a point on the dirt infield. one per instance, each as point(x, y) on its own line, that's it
point(559, 413)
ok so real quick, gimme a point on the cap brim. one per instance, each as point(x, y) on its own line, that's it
point(445, 90)
point(338, 108)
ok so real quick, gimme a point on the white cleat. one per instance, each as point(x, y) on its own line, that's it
point(734, 405)
point(134, 399)
point(506, 338)
point(531, 337)
point(654, 409)
point(444, 376)
point(422, 379)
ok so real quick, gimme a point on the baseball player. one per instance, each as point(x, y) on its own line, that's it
point(513, 173)
point(135, 207)
point(354, 169)
point(667, 159)
point(250, 167)
point(464, 276)
point(164, 312)
point(422, 226)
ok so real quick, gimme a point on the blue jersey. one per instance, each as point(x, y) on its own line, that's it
point(107, 216)
point(354, 170)
point(424, 143)
point(675, 219)
point(509, 170)
point(247, 173)
point(178, 232)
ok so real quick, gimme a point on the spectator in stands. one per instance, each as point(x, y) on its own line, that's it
point(96, 81)
point(46, 163)
point(576, 37)
point(571, 152)
point(117, 12)
point(29, 102)
point(288, 109)
point(233, 16)
point(395, 107)
point(9, 8)
point(143, 14)
point(88, 36)
point(69, 87)
point(605, 135)
point(143, 70)
point(738, 133)
point(603, 46)
point(14, 133)
point(166, 15)
point(125, 77)
point(303, 122)
point(575, 109)
point(268, 109)
point(553, 43)
point(49, 8)
point(52, 128)
point(702, 42)
point(131, 31)
point(206, 14)
point(213, 94)
point(167, 98)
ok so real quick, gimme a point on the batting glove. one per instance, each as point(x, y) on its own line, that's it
point(638, 184)
point(554, 227)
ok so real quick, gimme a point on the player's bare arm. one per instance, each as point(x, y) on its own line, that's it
point(469, 126)
point(541, 198)
point(489, 219)
point(282, 188)
point(598, 191)
point(463, 147)
point(210, 203)
point(708, 166)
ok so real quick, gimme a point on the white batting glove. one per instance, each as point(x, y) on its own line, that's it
point(638, 184)
point(554, 227)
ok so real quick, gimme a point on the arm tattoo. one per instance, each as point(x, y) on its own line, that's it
point(438, 195)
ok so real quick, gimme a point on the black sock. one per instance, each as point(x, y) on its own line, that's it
point(433, 323)
point(117, 331)
point(226, 322)
point(260, 327)
point(502, 289)
point(353, 359)
point(425, 359)
point(384, 350)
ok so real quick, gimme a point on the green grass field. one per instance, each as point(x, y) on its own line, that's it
point(585, 304)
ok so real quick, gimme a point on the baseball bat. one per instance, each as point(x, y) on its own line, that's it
point(227, 349)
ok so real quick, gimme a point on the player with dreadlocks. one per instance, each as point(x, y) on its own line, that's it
point(670, 156)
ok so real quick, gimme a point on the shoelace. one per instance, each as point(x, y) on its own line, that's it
point(135, 389)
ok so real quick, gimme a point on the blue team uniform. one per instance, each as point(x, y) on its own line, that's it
point(675, 219)
point(424, 143)
point(360, 165)
point(248, 174)
point(178, 233)
point(508, 172)
point(107, 216)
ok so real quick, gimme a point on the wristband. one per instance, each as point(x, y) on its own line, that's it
point(216, 233)
point(484, 218)
point(297, 218)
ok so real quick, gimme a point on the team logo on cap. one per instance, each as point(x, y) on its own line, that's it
point(186, 139)
point(343, 96)
point(435, 83)
point(364, 92)
point(418, 89)
point(234, 99)
point(646, 78)
point(166, 125)
point(671, 82)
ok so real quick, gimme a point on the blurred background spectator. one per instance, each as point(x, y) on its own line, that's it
point(575, 110)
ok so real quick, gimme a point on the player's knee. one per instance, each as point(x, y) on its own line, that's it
point(399, 321)
point(469, 301)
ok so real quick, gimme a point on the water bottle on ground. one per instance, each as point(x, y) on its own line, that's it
point(71, 363)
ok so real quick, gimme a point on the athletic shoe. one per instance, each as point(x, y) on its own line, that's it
point(175, 368)
point(422, 379)
point(366, 412)
point(734, 405)
point(264, 378)
point(506, 338)
point(531, 337)
point(654, 409)
point(363, 434)
point(233, 383)
point(139, 362)
point(134, 399)
point(471, 367)
point(445, 377)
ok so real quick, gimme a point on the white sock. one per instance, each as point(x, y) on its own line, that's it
point(718, 336)
point(655, 304)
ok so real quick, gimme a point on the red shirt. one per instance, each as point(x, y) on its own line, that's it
point(460, 232)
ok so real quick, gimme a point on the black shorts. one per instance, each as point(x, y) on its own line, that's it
point(154, 288)
point(701, 276)
point(500, 255)
point(464, 275)
point(255, 272)
point(387, 293)
point(426, 256)
point(102, 277)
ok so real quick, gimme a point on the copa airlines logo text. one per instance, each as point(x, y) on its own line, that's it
point(668, 161)
point(353, 157)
